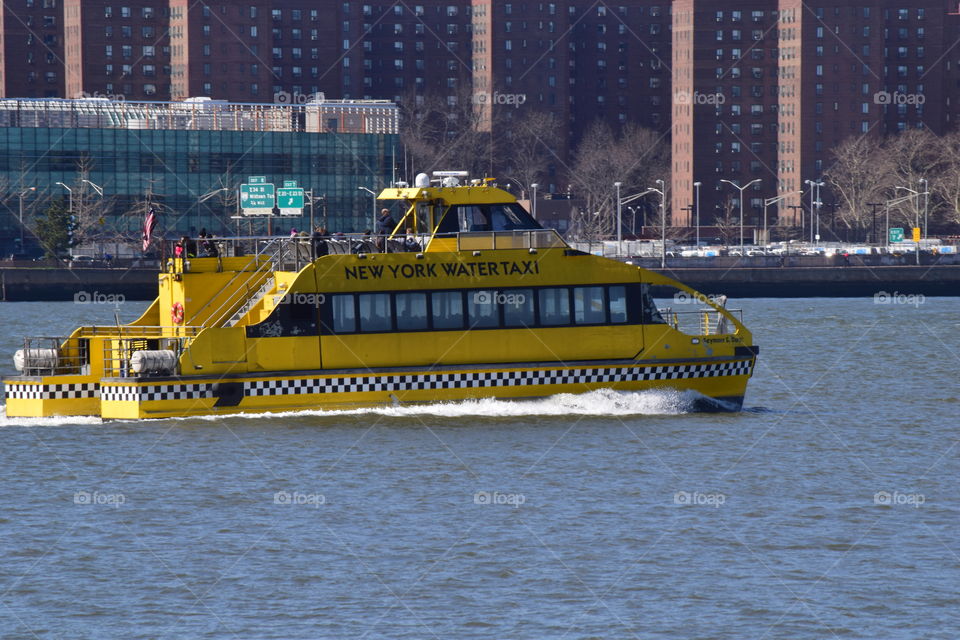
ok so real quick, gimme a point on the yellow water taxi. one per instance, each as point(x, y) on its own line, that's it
point(467, 297)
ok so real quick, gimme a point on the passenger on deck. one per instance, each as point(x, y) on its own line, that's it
point(208, 247)
point(319, 241)
point(385, 225)
point(411, 243)
point(189, 247)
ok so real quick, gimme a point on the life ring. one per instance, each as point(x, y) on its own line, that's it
point(176, 313)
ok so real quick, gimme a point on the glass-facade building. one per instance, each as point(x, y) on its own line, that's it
point(175, 155)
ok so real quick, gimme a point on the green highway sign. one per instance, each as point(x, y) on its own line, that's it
point(257, 180)
point(290, 201)
point(289, 184)
point(896, 234)
point(257, 198)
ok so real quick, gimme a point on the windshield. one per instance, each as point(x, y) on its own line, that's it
point(487, 217)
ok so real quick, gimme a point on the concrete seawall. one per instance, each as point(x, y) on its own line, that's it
point(23, 284)
point(803, 282)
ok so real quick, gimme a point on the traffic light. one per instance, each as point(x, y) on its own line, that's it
point(71, 228)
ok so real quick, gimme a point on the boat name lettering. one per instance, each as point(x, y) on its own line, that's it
point(449, 269)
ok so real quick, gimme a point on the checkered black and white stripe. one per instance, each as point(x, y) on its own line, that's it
point(132, 393)
point(409, 382)
point(22, 391)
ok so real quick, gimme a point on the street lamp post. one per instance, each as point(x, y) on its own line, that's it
point(663, 221)
point(916, 208)
point(696, 187)
point(617, 185)
point(895, 201)
point(96, 187)
point(373, 220)
point(814, 202)
point(926, 204)
point(767, 203)
point(312, 200)
point(533, 201)
point(633, 221)
point(69, 196)
point(23, 193)
point(742, 189)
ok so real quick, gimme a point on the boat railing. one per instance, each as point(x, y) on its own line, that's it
point(118, 354)
point(238, 292)
point(48, 355)
point(61, 355)
point(701, 322)
point(127, 331)
point(292, 253)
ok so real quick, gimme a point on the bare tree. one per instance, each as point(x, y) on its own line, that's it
point(859, 175)
point(728, 223)
point(89, 209)
point(945, 185)
point(530, 140)
point(604, 157)
point(915, 154)
point(446, 133)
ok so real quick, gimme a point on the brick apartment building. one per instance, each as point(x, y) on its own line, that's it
point(767, 90)
point(762, 90)
point(31, 43)
point(120, 51)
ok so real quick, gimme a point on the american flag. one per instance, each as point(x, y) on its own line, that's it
point(148, 224)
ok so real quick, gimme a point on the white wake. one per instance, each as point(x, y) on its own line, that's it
point(602, 402)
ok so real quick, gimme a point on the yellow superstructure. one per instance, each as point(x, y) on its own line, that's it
point(467, 298)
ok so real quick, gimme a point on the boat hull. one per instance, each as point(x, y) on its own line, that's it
point(720, 383)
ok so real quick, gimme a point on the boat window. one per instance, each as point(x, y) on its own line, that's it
point(374, 311)
point(618, 304)
point(411, 311)
point(588, 305)
point(508, 217)
point(517, 307)
point(554, 307)
point(487, 217)
point(651, 315)
point(447, 309)
point(482, 309)
point(472, 218)
point(344, 315)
